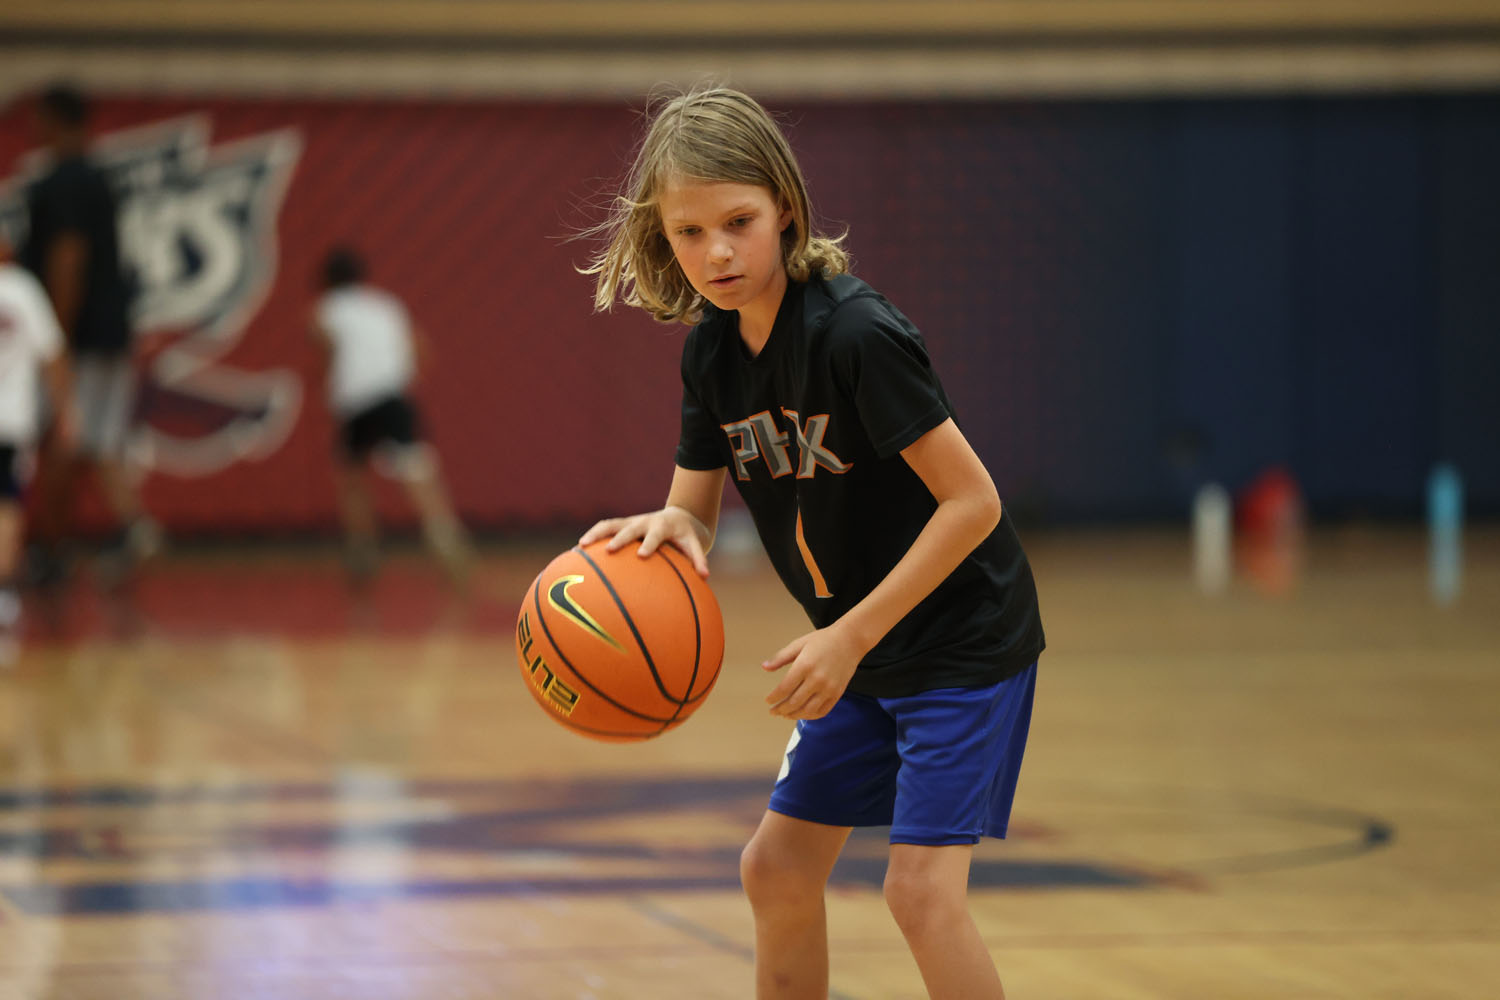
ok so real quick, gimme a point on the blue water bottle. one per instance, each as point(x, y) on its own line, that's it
point(1445, 526)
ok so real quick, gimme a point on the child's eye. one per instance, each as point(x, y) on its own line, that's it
point(688, 231)
point(742, 221)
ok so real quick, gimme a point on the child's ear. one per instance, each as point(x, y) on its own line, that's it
point(784, 219)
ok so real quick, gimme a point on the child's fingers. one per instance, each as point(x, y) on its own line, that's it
point(651, 537)
point(692, 547)
point(782, 694)
point(628, 531)
point(786, 654)
point(599, 530)
point(815, 707)
point(806, 702)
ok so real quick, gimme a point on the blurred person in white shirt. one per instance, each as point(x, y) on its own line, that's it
point(32, 351)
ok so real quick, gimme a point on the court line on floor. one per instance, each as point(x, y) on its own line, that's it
point(1062, 940)
point(707, 935)
point(1336, 937)
point(281, 741)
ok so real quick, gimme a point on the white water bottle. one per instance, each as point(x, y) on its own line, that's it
point(1212, 536)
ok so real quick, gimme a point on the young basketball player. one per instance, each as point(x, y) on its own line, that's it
point(31, 345)
point(913, 694)
point(72, 246)
point(371, 351)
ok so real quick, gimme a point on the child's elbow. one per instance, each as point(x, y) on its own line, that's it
point(988, 510)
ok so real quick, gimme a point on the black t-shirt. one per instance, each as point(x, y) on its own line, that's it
point(811, 430)
point(75, 197)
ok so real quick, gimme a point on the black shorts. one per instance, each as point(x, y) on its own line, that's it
point(392, 421)
point(10, 472)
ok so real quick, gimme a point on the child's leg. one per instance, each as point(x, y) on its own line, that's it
point(118, 482)
point(441, 528)
point(11, 528)
point(784, 870)
point(927, 889)
point(10, 559)
point(357, 510)
point(57, 476)
point(113, 386)
point(960, 759)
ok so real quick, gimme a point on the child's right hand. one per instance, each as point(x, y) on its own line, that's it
point(670, 524)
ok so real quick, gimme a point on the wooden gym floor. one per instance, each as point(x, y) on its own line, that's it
point(237, 780)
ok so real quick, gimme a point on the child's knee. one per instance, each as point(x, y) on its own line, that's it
point(770, 877)
point(916, 899)
point(414, 464)
point(759, 872)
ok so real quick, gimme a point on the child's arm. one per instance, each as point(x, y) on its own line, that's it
point(968, 509)
point(58, 377)
point(688, 521)
point(64, 274)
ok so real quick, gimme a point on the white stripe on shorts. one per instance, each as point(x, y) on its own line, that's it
point(786, 756)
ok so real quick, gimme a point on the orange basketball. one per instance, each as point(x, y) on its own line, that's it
point(619, 647)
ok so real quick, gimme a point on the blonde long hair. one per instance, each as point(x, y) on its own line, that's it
point(715, 135)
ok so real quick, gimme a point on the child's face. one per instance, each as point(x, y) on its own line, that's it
point(727, 240)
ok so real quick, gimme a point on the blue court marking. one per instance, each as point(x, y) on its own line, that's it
point(559, 819)
point(1370, 834)
point(250, 893)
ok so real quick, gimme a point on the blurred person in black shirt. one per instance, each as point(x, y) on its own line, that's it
point(72, 246)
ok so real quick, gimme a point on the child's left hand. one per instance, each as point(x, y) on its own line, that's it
point(822, 664)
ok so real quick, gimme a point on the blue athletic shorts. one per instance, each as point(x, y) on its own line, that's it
point(938, 767)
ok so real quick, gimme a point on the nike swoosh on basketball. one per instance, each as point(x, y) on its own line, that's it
point(559, 598)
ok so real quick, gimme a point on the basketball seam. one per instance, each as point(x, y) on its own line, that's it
point(697, 635)
point(697, 624)
point(661, 688)
point(536, 598)
point(623, 734)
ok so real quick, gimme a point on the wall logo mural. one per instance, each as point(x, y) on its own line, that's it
point(198, 242)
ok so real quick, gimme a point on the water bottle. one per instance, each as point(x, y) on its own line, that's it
point(1445, 526)
point(1212, 538)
